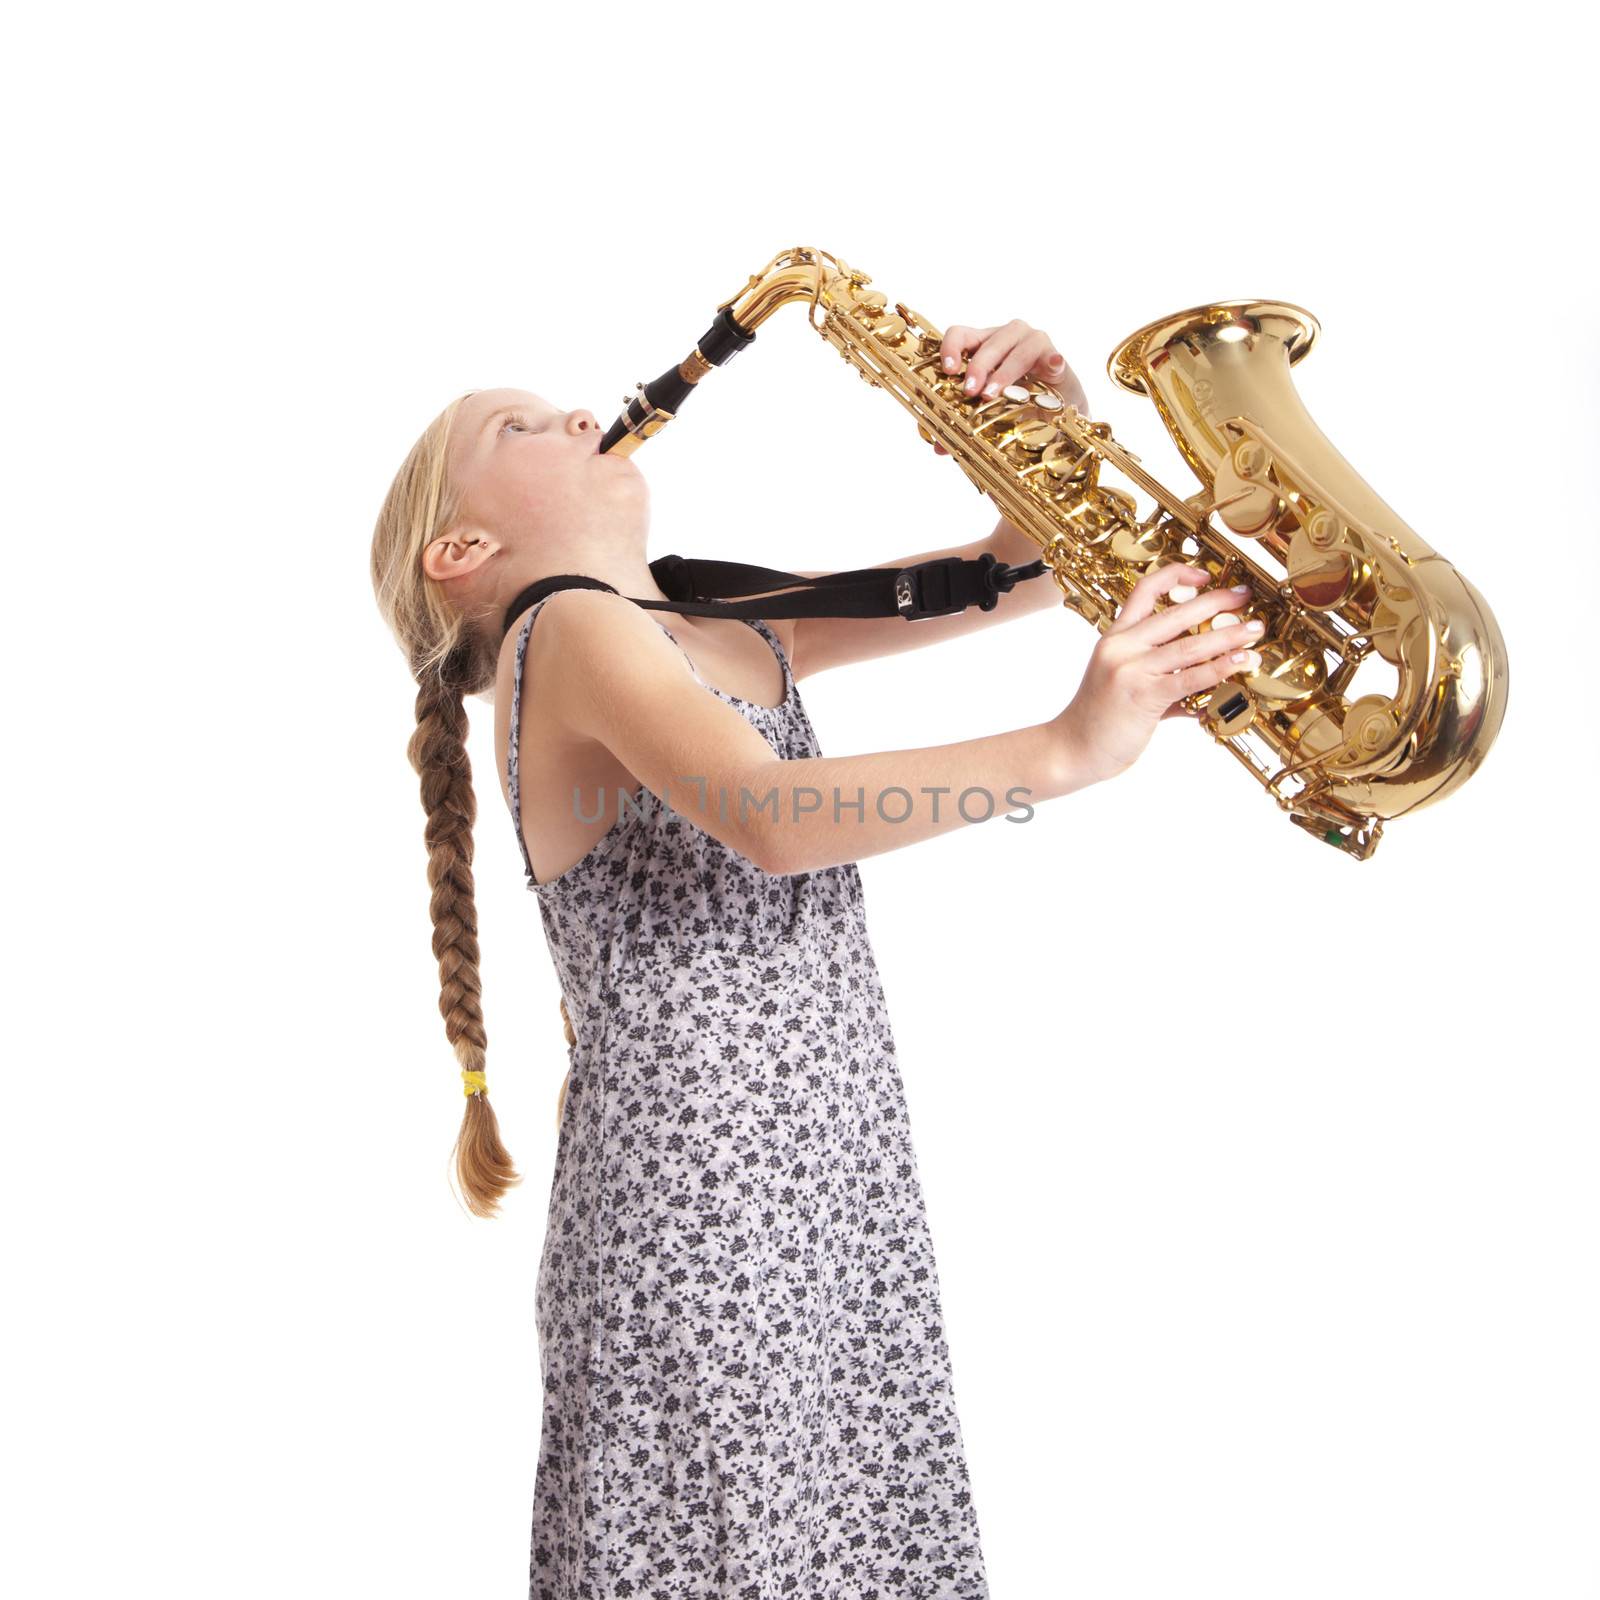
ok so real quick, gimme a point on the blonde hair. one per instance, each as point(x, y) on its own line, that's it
point(449, 660)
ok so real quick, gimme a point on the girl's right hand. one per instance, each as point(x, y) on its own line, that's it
point(1147, 661)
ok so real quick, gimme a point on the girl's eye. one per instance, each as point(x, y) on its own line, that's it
point(520, 421)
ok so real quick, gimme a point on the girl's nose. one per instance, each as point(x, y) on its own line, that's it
point(582, 421)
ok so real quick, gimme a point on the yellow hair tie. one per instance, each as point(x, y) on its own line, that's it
point(475, 1081)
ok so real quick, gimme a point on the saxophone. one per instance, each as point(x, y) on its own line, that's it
point(1340, 582)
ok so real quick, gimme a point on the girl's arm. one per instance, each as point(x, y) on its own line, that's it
point(611, 674)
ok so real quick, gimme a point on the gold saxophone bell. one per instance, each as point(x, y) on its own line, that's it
point(1343, 586)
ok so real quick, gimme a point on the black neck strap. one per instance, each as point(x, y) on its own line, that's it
point(934, 588)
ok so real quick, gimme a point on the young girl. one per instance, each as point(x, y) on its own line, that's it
point(747, 1389)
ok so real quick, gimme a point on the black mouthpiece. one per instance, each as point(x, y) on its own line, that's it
point(649, 412)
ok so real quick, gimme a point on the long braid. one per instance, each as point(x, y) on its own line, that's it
point(449, 658)
point(438, 751)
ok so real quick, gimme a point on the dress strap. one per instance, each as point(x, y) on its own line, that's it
point(687, 661)
point(513, 738)
point(765, 632)
point(770, 635)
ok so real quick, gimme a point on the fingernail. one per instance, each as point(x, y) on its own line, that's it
point(1241, 588)
point(972, 383)
point(1246, 655)
point(1254, 625)
point(992, 390)
point(949, 363)
point(1056, 361)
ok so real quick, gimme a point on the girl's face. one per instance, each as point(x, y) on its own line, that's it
point(527, 469)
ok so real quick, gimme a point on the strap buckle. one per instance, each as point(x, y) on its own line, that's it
point(948, 584)
point(928, 589)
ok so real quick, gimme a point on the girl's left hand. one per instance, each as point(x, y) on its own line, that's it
point(995, 357)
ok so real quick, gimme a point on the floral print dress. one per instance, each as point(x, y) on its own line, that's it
point(746, 1385)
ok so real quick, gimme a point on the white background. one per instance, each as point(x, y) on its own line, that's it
point(1263, 1183)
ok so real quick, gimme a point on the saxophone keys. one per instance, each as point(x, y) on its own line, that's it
point(1249, 509)
point(890, 331)
point(1287, 676)
point(1138, 546)
point(1064, 459)
point(1227, 712)
point(1316, 732)
point(1322, 578)
point(1242, 490)
point(1371, 735)
point(1035, 434)
point(1399, 632)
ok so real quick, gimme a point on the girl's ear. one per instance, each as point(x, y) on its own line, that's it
point(463, 549)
